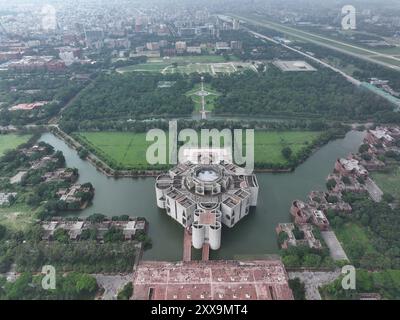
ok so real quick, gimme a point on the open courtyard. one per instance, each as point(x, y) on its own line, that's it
point(211, 64)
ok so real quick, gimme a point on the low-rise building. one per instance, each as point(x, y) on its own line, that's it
point(180, 47)
point(222, 47)
point(383, 135)
point(75, 228)
point(28, 106)
point(152, 46)
point(63, 174)
point(77, 195)
point(193, 50)
point(350, 167)
point(319, 219)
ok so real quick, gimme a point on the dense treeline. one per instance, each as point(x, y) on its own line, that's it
point(123, 125)
point(321, 93)
point(29, 253)
point(33, 87)
point(83, 256)
point(130, 95)
point(72, 286)
point(386, 283)
point(382, 224)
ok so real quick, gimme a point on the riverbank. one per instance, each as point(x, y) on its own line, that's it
point(254, 235)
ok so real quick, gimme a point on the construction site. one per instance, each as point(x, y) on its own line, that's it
point(212, 280)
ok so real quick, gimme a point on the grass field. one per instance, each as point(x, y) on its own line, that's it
point(354, 237)
point(11, 141)
point(212, 64)
point(268, 145)
point(124, 148)
point(209, 99)
point(389, 182)
point(18, 217)
point(128, 150)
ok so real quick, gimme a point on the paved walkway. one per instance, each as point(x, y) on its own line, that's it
point(206, 252)
point(374, 191)
point(112, 284)
point(335, 248)
point(313, 280)
point(187, 246)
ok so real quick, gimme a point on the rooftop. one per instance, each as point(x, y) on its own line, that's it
point(212, 280)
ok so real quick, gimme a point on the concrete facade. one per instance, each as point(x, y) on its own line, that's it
point(202, 197)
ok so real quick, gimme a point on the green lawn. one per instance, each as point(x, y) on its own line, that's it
point(17, 217)
point(128, 150)
point(268, 145)
point(11, 141)
point(389, 182)
point(123, 148)
point(354, 239)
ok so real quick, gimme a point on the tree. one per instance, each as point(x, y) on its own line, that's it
point(312, 260)
point(96, 218)
point(126, 292)
point(83, 153)
point(287, 153)
point(86, 284)
point(61, 235)
point(332, 199)
point(331, 184)
point(388, 197)
point(298, 289)
point(89, 234)
point(3, 231)
point(346, 180)
point(282, 237)
point(21, 288)
point(292, 261)
point(113, 235)
point(363, 148)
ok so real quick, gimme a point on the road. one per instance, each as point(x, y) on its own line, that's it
point(374, 191)
point(203, 102)
point(56, 119)
point(335, 248)
point(343, 74)
point(310, 37)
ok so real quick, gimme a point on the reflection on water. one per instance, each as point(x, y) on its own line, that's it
point(253, 235)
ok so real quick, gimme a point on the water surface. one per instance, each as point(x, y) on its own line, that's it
point(254, 235)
